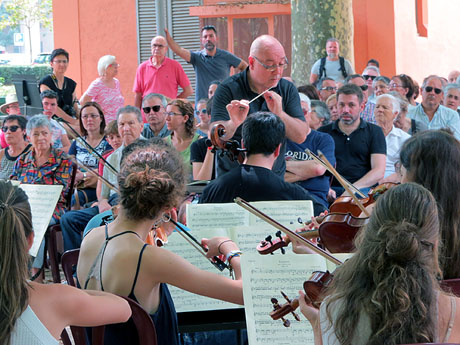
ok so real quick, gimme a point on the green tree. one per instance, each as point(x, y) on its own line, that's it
point(313, 22)
point(27, 13)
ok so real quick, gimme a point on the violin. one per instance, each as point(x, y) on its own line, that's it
point(336, 232)
point(346, 204)
point(230, 147)
point(313, 288)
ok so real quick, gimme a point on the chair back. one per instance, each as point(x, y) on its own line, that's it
point(142, 320)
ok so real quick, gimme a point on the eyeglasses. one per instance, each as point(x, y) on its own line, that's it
point(61, 61)
point(11, 128)
point(171, 113)
point(273, 68)
point(364, 87)
point(159, 46)
point(431, 88)
point(155, 108)
point(114, 64)
point(93, 116)
point(394, 86)
point(204, 111)
point(328, 88)
point(367, 76)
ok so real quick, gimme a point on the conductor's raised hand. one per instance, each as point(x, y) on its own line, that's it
point(238, 111)
point(274, 102)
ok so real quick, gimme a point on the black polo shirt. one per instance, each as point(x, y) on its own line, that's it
point(353, 152)
point(237, 87)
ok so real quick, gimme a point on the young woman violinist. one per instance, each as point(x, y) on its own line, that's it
point(388, 292)
point(115, 258)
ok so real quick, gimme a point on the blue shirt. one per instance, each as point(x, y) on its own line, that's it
point(209, 68)
point(443, 117)
point(148, 133)
point(316, 141)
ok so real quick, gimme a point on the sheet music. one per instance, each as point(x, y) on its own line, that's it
point(43, 200)
point(229, 220)
point(264, 276)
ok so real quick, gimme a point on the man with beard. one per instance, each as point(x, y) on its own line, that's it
point(210, 63)
point(332, 65)
point(360, 147)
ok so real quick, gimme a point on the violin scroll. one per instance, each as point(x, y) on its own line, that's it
point(279, 311)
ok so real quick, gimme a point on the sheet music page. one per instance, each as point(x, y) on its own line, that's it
point(43, 200)
point(264, 276)
point(209, 220)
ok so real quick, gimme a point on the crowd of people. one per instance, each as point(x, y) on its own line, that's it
point(137, 159)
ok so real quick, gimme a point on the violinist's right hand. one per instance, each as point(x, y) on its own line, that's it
point(238, 111)
point(218, 246)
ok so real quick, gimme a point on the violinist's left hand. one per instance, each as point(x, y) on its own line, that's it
point(307, 309)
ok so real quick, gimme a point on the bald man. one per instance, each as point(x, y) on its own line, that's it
point(160, 74)
point(267, 62)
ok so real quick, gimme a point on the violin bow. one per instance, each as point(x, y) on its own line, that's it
point(271, 221)
point(343, 183)
point(92, 172)
point(333, 171)
point(218, 263)
point(75, 135)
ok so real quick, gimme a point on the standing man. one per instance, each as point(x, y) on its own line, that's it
point(267, 61)
point(154, 108)
point(160, 74)
point(360, 147)
point(431, 112)
point(332, 65)
point(210, 63)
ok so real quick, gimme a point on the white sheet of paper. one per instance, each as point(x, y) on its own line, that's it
point(43, 200)
point(209, 220)
point(263, 278)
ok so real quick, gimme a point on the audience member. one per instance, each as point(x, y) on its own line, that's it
point(310, 91)
point(403, 84)
point(212, 88)
point(332, 105)
point(369, 75)
point(367, 114)
point(409, 126)
point(204, 118)
point(319, 115)
point(50, 107)
point(106, 90)
point(452, 97)
point(380, 85)
point(326, 87)
point(154, 108)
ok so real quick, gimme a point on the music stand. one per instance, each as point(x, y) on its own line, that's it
point(26, 86)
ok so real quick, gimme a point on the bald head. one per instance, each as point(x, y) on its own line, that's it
point(159, 47)
point(263, 44)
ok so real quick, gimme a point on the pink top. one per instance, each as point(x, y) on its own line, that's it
point(165, 79)
point(109, 99)
point(2, 140)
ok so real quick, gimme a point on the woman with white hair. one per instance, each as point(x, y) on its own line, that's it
point(105, 90)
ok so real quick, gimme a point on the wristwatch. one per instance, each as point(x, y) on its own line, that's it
point(84, 175)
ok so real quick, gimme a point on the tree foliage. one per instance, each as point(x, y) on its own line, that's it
point(27, 13)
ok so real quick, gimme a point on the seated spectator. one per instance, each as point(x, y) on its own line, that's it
point(34, 313)
point(373, 62)
point(326, 87)
point(14, 129)
point(369, 75)
point(106, 90)
point(50, 106)
point(151, 180)
point(452, 77)
point(43, 165)
point(212, 88)
point(310, 91)
point(431, 112)
point(154, 107)
point(92, 125)
point(367, 114)
point(10, 107)
point(452, 97)
point(404, 85)
point(319, 114)
point(386, 110)
point(181, 123)
point(409, 126)
point(263, 134)
point(332, 105)
point(380, 85)
point(204, 125)
point(202, 155)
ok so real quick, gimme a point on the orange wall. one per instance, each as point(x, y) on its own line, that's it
point(89, 29)
point(436, 54)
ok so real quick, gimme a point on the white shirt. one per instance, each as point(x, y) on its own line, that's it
point(395, 139)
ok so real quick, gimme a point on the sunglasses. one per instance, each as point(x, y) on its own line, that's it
point(11, 128)
point(155, 108)
point(371, 77)
point(364, 87)
point(328, 88)
point(430, 88)
point(201, 111)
